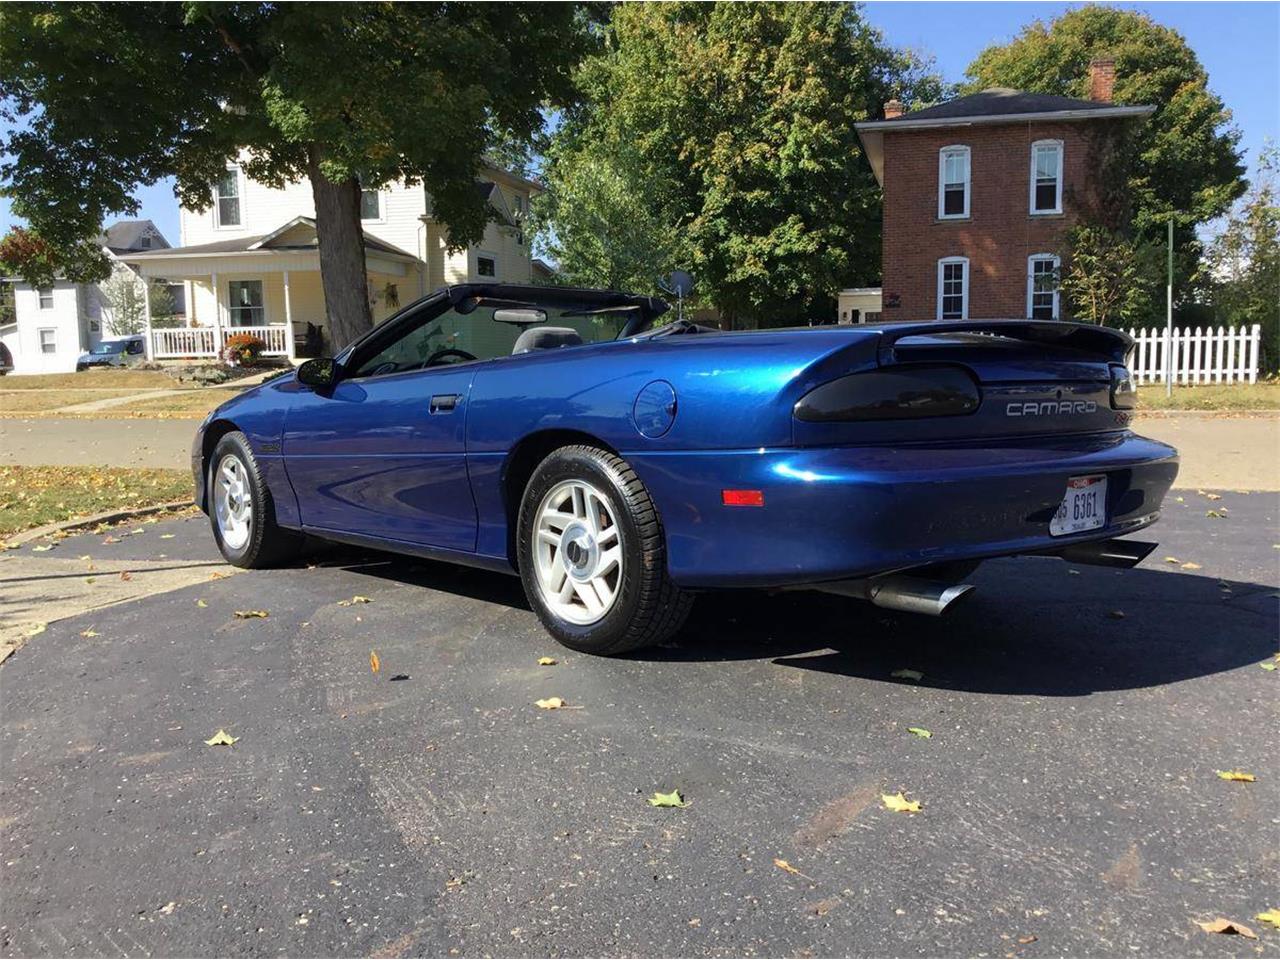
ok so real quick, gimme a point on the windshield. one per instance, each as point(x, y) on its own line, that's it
point(107, 347)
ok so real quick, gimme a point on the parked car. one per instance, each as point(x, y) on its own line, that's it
point(618, 467)
point(6, 360)
point(122, 352)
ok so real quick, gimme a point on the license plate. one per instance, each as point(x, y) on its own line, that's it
point(1083, 508)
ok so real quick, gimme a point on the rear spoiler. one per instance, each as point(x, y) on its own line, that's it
point(1076, 336)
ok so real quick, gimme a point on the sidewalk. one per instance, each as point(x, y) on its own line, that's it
point(1225, 453)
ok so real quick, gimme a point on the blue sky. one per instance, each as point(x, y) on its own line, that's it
point(1238, 43)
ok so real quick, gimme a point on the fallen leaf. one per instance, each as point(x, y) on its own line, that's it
point(1213, 496)
point(1271, 916)
point(1029, 938)
point(42, 548)
point(550, 703)
point(87, 557)
point(1172, 560)
point(672, 799)
point(1116, 614)
point(201, 603)
point(356, 599)
point(920, 732)
point(1190, 566)
point(126, 575)
point(1267, 665)
point(1180, 499)
point(221, 739)
point(111, 540)
point(217, 576)
point(1216, 515)
point(374, 663)
point(783, 865)
point(38, 629)
point(251, 614)
point(1237, 775)
point(907, 675)
point(166, 536)
point(1229, 927)
point(169, 907)
point(546, 661)
point(89, 632)
point(13, 546)
point(899, 804)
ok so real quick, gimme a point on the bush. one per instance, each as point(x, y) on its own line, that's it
point(243, 349)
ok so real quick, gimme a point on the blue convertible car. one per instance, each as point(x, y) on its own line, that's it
point(619, 466)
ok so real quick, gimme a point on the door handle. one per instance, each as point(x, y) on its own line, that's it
point(444, 402)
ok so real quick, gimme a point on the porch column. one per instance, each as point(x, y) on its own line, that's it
point(217, 315)
point(146, 316)
point(288, 320)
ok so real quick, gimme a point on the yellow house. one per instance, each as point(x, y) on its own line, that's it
point(250, 263)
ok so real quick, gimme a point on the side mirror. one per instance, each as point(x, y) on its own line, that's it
point(321, 373)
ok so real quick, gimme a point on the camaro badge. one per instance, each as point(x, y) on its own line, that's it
point(1048, 408)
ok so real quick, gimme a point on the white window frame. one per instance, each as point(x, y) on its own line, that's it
point(487, 256)
point(1036, 148)
point(53, 340)
point(955, 149)
point(41, 294)
point(964, 309)
point(217, 204)
point(382, 205)
point(1031, 280)
point(232, 307)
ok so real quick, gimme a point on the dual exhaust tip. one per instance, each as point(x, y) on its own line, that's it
point(934, 597)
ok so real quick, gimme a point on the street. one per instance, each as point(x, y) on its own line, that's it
point(1069, 789)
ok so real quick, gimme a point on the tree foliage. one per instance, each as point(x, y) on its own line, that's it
point(124, 293)
point(1244, 260)
point(25, 253)
point(724, 133)
point(1187, 162)
point(104, 97)
point(1105, 279)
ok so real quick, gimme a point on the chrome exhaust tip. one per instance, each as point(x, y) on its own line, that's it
point(908, 594)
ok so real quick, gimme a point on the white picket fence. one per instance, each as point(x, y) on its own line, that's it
point(1199, 355)
point(172, 342)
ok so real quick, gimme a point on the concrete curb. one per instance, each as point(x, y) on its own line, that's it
point(1264, 414)
point(110, 516)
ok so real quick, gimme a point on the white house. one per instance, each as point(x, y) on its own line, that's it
point(54, 325)
point(250, 263)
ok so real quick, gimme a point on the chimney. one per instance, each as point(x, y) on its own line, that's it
point(893, 109)
point(1102, 79)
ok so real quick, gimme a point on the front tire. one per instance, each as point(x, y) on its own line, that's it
point(592, 555)
point(241, 510)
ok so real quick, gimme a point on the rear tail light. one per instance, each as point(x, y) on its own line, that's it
point(1124, 392)
point(896, 393)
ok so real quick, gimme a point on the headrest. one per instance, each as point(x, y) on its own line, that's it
point(546, 338)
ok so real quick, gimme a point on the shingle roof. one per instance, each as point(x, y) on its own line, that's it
point(1001, 101)
point(124, 236)
point(250, 244)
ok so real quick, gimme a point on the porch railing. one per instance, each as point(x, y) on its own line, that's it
point(169, 343)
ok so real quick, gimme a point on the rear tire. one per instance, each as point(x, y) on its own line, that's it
point(241, 510)
point(592, 555)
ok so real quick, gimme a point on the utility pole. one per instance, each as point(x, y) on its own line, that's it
point(1168, 321)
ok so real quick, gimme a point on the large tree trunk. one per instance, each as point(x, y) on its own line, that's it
point(342, 267)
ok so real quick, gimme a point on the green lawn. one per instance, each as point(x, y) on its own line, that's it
point(33, 496)
point(93, 379)
point(1223, 397)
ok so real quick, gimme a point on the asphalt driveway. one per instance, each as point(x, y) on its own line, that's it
point(1069, 789)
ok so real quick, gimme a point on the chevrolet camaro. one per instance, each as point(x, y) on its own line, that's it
point(619, 466)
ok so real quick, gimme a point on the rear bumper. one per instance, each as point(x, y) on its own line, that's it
point(838, 512)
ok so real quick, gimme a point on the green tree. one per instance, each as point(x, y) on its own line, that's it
point(24, 253)
point(1105, 277)
point(1186, 161)
point(124, 294)
point(162, 304)
point(104, 97)
point(1244, 260)
point(727, 131)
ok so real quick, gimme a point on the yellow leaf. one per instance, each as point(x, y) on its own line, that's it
point(1214, 514)
point(201, 603)
point(89, 632)
point(783, 865)
point(1172, 560)
point(920, 732)
point(251, 614)
point(672, 799)
point(1271, 916)
point(221, 739)
point(166, 536)
point(374, 663)
point(546, 661)
point(356, 599)
point(1229, 927)
point(899, 804)
point(1238, 775)
point(1267, 665)
point(907, 675)
point(38, 629)
point(550, 703)
point(1213, 496)
point(42, 548)
point(1190, 566)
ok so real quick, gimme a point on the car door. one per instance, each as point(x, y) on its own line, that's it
point(382, 454)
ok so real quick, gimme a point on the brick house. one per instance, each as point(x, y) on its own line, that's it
point(977, 193)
